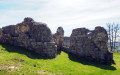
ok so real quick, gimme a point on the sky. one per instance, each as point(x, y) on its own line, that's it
point(69, 14)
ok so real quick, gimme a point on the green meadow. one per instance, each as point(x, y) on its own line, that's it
point(18, 61)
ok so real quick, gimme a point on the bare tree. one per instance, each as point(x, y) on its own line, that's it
point(113, 34)
point(109, 36)
point(116, 34)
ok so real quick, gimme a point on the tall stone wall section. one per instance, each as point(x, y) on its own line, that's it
point(35, 36)
point(90, 44)
point(59, 38)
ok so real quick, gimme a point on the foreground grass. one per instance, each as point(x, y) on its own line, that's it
point(17, 61)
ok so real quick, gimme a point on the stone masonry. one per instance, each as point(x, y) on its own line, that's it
point(35, 36)
point(59, 38)
point(67, 42)
point(90, 44)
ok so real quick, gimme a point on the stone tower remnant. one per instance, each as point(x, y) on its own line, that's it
point(59, 38)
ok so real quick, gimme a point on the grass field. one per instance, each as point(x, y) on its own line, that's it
point(18, 61)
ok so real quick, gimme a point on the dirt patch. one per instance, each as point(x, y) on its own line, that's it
point(60, 73)
point(10, 68)
point(42, 72)
point(3, 66)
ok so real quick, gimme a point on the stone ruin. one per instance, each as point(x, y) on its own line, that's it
point(59, 38)
point(66, 42)
point(34, 36)
point(90, 44)
point(37, 37)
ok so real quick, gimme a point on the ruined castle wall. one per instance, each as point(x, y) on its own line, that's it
point(36, 36)
point(59, 38)
point(1, 34)
point(67, 42)
point(90, 44)
point(31, 35)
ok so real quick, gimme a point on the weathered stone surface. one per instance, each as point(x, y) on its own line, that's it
point(31, 35)
point(1, 34)
point(36, 36)
point(59, 38)
point(90, 44)
point(67, 42)
point(100, 38)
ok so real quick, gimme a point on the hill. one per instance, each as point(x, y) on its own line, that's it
point(18, 61)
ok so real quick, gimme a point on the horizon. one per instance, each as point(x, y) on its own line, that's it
point(68, 14)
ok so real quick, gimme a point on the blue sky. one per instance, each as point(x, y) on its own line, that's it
point(69, 14)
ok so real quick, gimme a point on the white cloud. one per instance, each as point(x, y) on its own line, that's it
point(69, 14)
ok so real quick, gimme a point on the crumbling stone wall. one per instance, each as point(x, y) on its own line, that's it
point(90, 44)
point(1, 33)
point(67, 42)
point(31, 35)
point(37, 36)
point(59, 38)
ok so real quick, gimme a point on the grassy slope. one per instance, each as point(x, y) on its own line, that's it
point(64, 64)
